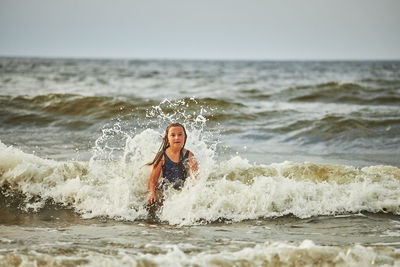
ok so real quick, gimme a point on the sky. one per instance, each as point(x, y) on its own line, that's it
point(202, 29)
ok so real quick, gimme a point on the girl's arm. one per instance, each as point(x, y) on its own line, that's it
point(155, 174)
point(193, 164)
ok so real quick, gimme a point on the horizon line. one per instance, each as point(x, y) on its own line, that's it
point(192, 59)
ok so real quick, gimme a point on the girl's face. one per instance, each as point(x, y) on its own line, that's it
point(176, 137)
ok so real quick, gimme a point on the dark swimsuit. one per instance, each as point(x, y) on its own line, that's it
point(172, 173)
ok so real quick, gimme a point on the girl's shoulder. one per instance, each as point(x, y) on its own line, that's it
point(188, 152)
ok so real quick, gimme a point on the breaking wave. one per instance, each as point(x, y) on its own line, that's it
point(114, 185)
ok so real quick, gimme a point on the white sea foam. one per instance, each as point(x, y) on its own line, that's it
point(280, 189)
point(94, 188)
point(115, 184)
point(267, 254)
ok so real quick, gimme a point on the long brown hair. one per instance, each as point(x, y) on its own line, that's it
point(165, 145)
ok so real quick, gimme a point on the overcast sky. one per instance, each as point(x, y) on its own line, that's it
point(201, 29)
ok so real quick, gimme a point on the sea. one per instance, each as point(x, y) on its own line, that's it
point(299, 162)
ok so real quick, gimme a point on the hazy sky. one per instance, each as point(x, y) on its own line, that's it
point(202, 29)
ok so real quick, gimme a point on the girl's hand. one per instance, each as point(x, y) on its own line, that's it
point(155, 174)
point(153, 198)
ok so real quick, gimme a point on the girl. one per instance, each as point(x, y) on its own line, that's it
point(172, 160)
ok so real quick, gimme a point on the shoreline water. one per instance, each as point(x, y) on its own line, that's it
point(344, 240)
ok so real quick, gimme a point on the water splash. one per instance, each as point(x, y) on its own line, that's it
point(113, 183)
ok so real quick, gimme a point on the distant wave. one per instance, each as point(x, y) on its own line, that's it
point(337, 92)
point(79, 112)
point(363, 92)
point(71, 104)
point(340, 128)
point(43, 109)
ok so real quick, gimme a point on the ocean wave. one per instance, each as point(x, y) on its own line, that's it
point(44, 108)
point(234, 190)
point(355, 128)
point(343, 92)
point(98, 107)
point(352, 130)
point(288, 188)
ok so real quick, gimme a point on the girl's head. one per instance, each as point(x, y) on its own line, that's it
point(175, 137)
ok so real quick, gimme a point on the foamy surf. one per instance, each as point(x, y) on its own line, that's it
point(305, 253)
point(113, 184)
point(239, 191)
point(268, 254)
